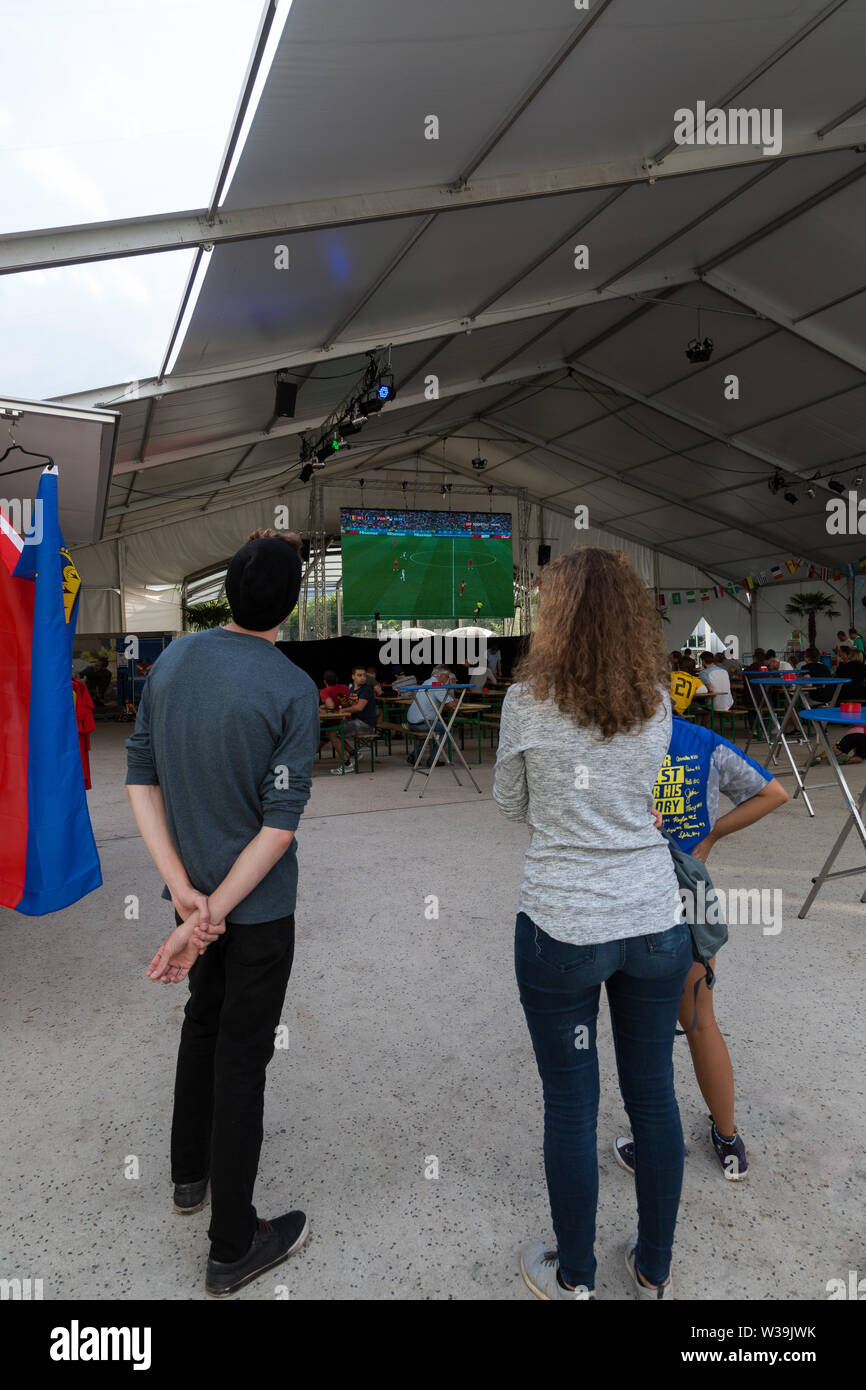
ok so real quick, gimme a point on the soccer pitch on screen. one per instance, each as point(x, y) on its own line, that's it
point(427, 564)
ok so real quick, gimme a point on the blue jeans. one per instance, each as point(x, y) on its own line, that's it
point(559, 988)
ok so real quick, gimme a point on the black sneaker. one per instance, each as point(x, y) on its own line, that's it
point(273, 1242)
point(731, 1153)
point(189, 1197)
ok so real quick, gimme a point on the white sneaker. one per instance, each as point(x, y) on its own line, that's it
point(539, 1267)
point(663, 1291)
point(341, 771)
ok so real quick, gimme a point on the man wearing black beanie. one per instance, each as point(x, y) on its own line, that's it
point(219, 771)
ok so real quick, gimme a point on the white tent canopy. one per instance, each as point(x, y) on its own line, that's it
point(565, 370)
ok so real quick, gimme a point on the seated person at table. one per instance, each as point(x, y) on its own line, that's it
point(373, 680)
point(852, 670)
point(701, 766)
point(403, 682)
point(776, 664)
point(814, 666)
point(476, 677)
point(362, 708)
point(684, 686)
point(494, 663)
point(730, 663)
point(333, 695)
point(687, 663)
point(718, 681)
point(431, 700)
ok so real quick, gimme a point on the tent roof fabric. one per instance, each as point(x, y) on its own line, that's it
point(555, 130)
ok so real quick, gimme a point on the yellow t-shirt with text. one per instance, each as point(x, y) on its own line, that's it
point(683, 687)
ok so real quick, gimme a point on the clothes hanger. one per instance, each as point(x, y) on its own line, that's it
point(46, 458)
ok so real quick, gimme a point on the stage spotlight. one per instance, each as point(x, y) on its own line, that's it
point(858, 481)
point(353, 425)
point(791, 497)
point(810, 492)
point(479, 463)
point(385, 390)
point(306, 472)
point(369, 405)
point(835, 486)
point(700, 351)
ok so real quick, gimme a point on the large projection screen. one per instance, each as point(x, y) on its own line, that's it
point(406, 564)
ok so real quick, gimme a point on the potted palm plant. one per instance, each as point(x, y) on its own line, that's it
point(809, 605)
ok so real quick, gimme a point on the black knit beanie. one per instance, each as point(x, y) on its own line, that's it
point(263, 581)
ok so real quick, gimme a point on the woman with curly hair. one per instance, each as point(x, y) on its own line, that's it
point(581, 744)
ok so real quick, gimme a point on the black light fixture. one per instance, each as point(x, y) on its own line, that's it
point(286, 395)
point(699, 349)
point(791, 497)
point(835, 486)
point(306, 472)
point(777, 482)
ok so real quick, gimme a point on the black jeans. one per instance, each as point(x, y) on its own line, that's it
point(236, 995)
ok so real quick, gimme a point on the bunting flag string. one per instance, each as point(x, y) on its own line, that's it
point(756, 581)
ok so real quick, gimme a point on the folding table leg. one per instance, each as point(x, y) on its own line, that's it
point(855, 819)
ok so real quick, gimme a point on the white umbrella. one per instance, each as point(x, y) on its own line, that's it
point(408, 632)
point(469, 632)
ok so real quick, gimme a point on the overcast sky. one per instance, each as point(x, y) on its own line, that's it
point(108, 108)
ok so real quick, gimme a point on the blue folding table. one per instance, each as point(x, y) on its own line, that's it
point(824, 719)
point(795, 687)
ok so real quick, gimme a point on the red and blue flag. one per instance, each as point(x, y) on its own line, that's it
point(48, 856)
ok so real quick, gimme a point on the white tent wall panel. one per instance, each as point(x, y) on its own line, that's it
point(152, 612)
point(725, 616)
point(775, 626)
point(560, 534)
point(99, 608)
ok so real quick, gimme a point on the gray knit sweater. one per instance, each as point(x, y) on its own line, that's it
point(596, 868)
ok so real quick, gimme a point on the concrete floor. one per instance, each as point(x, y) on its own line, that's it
point(406, 1041)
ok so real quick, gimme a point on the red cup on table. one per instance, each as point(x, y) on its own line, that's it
point(789, 675)
point(849, 709)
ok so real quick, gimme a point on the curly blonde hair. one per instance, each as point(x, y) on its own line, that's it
point(598, 648)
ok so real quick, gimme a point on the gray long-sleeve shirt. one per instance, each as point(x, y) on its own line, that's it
point(228, 727)
point(596, 868)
